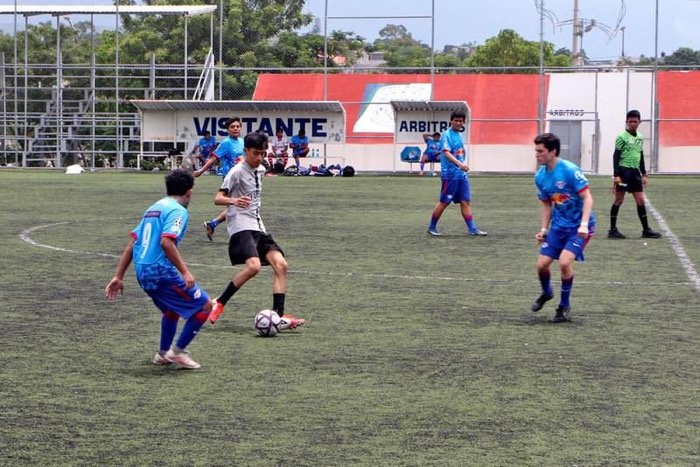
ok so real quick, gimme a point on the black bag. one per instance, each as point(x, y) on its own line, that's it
point(278, 167)
point(291, 171)
point(348, 171)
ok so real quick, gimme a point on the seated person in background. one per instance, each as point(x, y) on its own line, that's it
point(300, 146)
point(205, 147)
point(279, 150)
point(433, 151)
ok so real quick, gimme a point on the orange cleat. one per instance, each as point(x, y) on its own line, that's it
point(290, 322)
point(215, 312)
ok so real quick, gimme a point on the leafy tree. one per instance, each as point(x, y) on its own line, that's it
point(684, 56)
point(509, 49)
point(400, 48)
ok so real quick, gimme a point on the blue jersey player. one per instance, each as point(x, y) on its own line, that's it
point(455, 181)
point(568, 220)
point(228, 154)
point(162, 273)
point(433, 150)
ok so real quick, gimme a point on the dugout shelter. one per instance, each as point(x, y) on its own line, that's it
point(182, 122)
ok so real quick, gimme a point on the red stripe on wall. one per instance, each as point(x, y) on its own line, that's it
point(679, 95)
point(488, 96)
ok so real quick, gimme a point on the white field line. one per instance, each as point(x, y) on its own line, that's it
point(687, 264)
point(24, 236)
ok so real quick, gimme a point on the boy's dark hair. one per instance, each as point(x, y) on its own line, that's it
point(550, 141)
point(302, 132)
point(255, 140)
point(231, 120)
point(458, 114)
point(280, 130)
point(178, 182)
point(207, 133)
point(437, 135)
point(634, 114)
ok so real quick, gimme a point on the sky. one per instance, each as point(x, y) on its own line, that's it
point(463, 21)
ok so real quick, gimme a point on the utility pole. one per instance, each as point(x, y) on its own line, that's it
point(575, 53)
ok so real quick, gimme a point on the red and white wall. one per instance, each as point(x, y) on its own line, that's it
point(504, 113)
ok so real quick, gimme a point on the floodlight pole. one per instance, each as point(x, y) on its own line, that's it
point(655, 96)
point(540, 107)
point(325, 51)
point(432, 50)
point(4, 131)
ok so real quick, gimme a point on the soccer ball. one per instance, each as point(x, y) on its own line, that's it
point(267, 323)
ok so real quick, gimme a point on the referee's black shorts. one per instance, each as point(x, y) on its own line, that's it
point(249, 244)
point(631, 180)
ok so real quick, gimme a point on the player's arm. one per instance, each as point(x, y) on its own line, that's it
point(170, 248)
point(211, 161)
point(223, 199)
point(546, 218)
point(643, 169)
point(450, 157)
point(427, 136)
point(116, 285)
point(586, 214)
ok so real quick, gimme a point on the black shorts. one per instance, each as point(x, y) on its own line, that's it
point(631, 180)
point(251, 244)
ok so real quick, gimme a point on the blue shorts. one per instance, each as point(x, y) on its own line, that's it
point(170, 294)
point(432, 157)
point(455, 191)
point(559, 239)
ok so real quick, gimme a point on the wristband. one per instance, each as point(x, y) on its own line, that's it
point(584, 224)
point(543, 230)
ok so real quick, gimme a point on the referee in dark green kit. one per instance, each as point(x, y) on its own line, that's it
point(630, 175)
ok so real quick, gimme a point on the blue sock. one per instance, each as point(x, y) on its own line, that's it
point(191, 328)
point(422, 166)
point(471, 225)
point(213, 223)
point(168, 328)
point(433, 223)
point(546, 283)
point(566, 286)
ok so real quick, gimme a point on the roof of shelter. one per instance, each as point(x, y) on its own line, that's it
point(430, 106)
point(240, 106)
point(63, 10)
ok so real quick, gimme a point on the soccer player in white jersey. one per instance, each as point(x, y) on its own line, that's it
point(249, 242)
point(162, 273)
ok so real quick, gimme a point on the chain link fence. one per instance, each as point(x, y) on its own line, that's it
point(66, 83)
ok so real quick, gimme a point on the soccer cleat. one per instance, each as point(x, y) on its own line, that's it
point(541, 300)
point(210, 231)
point(614, 233)
point(161, 360)
point(216, 311)
point(477, 233)
point(648, 233)
point(562, 314)
point(183, 359)
point(290, 322)
point(434, 232)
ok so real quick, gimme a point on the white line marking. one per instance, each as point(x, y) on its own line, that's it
point(26, 238)
point(677, 247)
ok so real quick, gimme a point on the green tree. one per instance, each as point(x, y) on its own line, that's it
point(509, 49)
point(400, 48)
point(685, 57)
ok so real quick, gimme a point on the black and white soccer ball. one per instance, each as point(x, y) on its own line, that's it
point(267, 323)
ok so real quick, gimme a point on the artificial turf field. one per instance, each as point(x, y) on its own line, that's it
point(416, 351)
